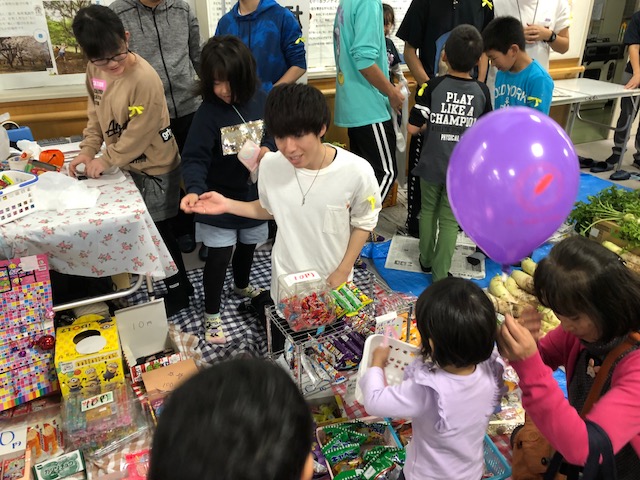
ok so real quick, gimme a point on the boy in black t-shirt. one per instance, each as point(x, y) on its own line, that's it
point(445, 107)
point(425, 23)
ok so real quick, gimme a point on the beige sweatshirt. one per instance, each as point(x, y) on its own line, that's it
point(129, 112)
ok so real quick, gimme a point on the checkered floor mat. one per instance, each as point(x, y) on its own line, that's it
point(243, 330)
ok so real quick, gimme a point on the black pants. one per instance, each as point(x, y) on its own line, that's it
point(413, 187)
point(376, 143)
point(182, 223)
point(215, 271)
point(178, 282)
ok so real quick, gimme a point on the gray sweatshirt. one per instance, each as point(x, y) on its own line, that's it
point(168, 37)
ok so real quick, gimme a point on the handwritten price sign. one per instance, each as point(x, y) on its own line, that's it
point(96, 401)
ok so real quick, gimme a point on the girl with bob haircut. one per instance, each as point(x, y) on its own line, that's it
point(229, 118)
point(597, 300)
point(451, 391)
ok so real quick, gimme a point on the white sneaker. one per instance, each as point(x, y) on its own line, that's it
point(248, 292)
point(213, 332)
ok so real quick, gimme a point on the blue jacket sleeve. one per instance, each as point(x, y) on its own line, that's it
point(292, 43)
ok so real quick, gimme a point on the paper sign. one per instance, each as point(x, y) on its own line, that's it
point(13, 440)
point(294, 278)
point(168, 378)
point(143, 328)
point(96, 401)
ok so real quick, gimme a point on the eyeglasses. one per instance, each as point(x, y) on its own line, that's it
point(101, 62)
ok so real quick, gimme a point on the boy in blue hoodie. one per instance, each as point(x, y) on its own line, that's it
point(274, 36)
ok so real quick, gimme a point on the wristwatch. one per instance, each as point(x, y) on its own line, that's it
point(553, 37)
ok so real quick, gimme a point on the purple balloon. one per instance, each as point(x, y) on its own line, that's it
point(512, 180)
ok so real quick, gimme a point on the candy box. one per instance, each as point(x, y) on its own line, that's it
point(305, 300)
point(100, 424)
point(327, 409)
point(88, 355)
point(64, 466)
point(144, 333)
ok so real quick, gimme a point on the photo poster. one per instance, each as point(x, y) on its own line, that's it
point(316, 18)
point(37, 46)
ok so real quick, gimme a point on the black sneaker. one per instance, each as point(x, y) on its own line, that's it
point(203, 253)
point(613, 159)
point(636, 163)
point(423, 268)
point(186, 243)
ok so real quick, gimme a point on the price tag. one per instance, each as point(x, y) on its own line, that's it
point(294, 278)
point(96, 401)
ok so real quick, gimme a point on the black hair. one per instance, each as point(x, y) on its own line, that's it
point(295, 109)
point(460, 319)
point(580, 276)
point(503, 32)
point(388, 15)
point(99, 32)
point(463, 48)
point(225, 58)
point(241, 419)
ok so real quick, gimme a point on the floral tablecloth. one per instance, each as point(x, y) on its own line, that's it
point(116, 236)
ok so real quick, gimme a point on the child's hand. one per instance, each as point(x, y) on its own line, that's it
point(210, 203)
point(380, 356)
point(95, 167)
point(82, 158)
point(188, 201)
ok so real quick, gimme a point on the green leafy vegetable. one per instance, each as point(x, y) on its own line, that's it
point(613, 204)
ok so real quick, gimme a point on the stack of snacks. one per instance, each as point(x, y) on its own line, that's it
point(360, 450)
point(322, 358)
point(349, 299)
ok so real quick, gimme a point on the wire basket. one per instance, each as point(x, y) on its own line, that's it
point(17, 200)
point(494, 462)
point(401, 354)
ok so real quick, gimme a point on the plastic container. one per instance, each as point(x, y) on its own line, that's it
point(401, 355)
point(17, 200)
point(305, 300)
point(494, 461)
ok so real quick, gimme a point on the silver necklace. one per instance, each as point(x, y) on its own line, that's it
point(295, 171)
point(535, 12)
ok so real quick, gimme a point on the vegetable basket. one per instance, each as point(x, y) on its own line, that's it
point(17, 200)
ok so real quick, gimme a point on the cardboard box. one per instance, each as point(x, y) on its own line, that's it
point(608, 231)
point(144, 331)
point(88, 355)
point(164, 380)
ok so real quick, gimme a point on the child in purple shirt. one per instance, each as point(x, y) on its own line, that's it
point(451, 392)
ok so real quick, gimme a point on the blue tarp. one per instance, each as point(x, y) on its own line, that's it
point(415, 283)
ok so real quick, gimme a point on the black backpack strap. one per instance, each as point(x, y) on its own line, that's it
point(554, 466)
point(599, 447)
